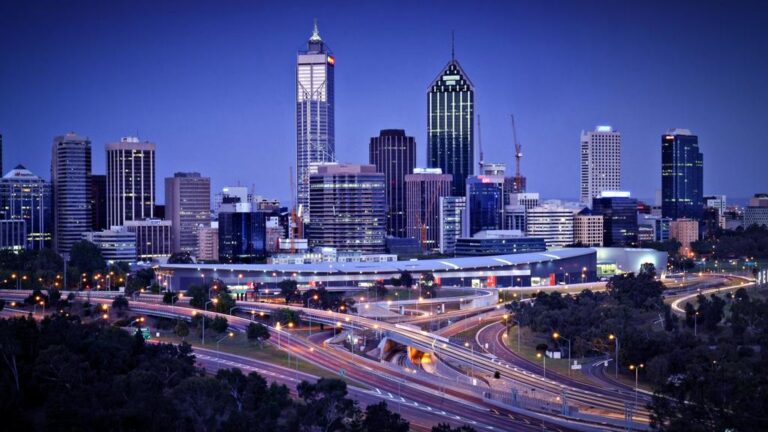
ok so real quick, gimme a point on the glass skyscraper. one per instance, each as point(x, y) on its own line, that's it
point(242, 233)
point(27, 197)
point(619, 213)
point(450, 125)
point(485, 203)
point(71, 182)
point(314, 112)
point(394, 155)
point(682, 175)
point(130, 181)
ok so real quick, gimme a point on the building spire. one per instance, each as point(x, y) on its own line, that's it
point(453, 50)
point(315, 34)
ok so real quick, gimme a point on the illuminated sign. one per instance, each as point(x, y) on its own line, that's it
point(331, 60)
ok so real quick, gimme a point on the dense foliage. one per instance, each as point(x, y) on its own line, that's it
point(64, 375)
point(742, 242)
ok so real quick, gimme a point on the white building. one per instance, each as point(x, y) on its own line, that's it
point(153, 238)
point(116, 243)
point(130, 181)
point(452, 211)
point(600, 162)
point(551, 222)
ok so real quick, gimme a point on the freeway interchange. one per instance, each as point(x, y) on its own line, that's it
point(521, 398)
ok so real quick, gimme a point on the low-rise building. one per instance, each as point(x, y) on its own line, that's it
point(498, 242)
point(153, 238)
point(588, 228)
point(13, 235)
point(208, 242)
point(686, 231)
point(116, 243)
point(331, 255)
point(551, 222)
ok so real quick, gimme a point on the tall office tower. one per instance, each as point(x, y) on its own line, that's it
point(452, 211)
point(423, 190)
point(315, 140)
point(71, 183)
point(552, 223)
point(682, 175)
point(187, 206)
point(619, 213)
point(600, 162)
point(1, 153)
point(450, 125)
point(130, 181)
point(347, 208)
point(98, 202)
point(25, 196)
point(485, 203)
point(394, 155)
point(242, 233)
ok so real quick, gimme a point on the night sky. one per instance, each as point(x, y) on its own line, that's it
point(212, 83)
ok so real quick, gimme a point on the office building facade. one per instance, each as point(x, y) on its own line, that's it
point(153, 238)
point(503, 242)
point(315, 136)
point(600, 162)
point(451, 125)
point(71, 185)
point(208, 243)
point(424, 189)
point(756, 213)
point(552, 223)
point(686, 231)
point(187, 206)
point(347, 208)
point(452, 213)
point(588, 229)
point(13, 235)
point(117, 244)
point(394, 155)
point(619, 212)
point(130, 181)
point(242, 233)
point(682, 175)
point(25, 196)
point(485, 203)
point(98, 202)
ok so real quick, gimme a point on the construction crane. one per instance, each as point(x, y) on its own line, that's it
point(480, 143)
point(518, 181)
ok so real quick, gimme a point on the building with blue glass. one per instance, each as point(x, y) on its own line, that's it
point(619, 213)
point(498, 243)
point(25, 196)
point(682, 175)
point(242, 233)
point(485, 203)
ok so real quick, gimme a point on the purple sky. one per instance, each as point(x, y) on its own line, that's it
point(212, 83)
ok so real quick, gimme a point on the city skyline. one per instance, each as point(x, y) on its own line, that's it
point(248, 114)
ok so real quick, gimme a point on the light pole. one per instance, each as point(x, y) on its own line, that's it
point(472, 357)
point(616, 343)
point(544, 360)
point(636, 369)
point(695, 323)
point(556, 336)
point(277, 327)
point(518, 335)
point(230, 334)
point(205, 307)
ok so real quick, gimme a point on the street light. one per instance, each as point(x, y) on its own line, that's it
point(205, 307)
point(636, 369)
point(544, 360)
point(556, 336)
point(616, 365)
point(695, 323)
point(230, 334)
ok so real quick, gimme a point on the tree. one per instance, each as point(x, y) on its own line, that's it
point(86, 258)
point(170, 297)
point(198, 295)
point(445, 427)
point(140, 280)
point(120, 303)
point(379, 418)
point(406, 279)
point(326, 405)
point(288, 289)
point(285, 316)
point(182, 329)
point(224, 302)
point(219, 324)
point(257, 332)
point(181, 258)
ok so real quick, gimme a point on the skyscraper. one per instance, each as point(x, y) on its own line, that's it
point(71, 183)
point(423, 190)
point(130, 181)
point(600, 162)
point(485, 203)
point(25, 196)
point(187, 206)
point(394, 155)
point(682, 175)
point(98, 202)
point(314, 111)
point(242, 233)
point(450, 125)
point(619, 213)
point(1, 153)
point(347, 208)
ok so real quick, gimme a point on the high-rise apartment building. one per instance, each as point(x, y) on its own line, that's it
point(130, 181)
point(187, 206)
point(25, 196)
point(619, 212)
point(315, 140)
point(71, 184)
point(485, 203)
point(552, 223)
point(208, 242)
point(347, 208)
point(600, 162)
point(394, 155)
point(452, 211)
point(423, 190)
point(682, 175)
point(686, 231)
point(588, 228)
point(451, 125)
